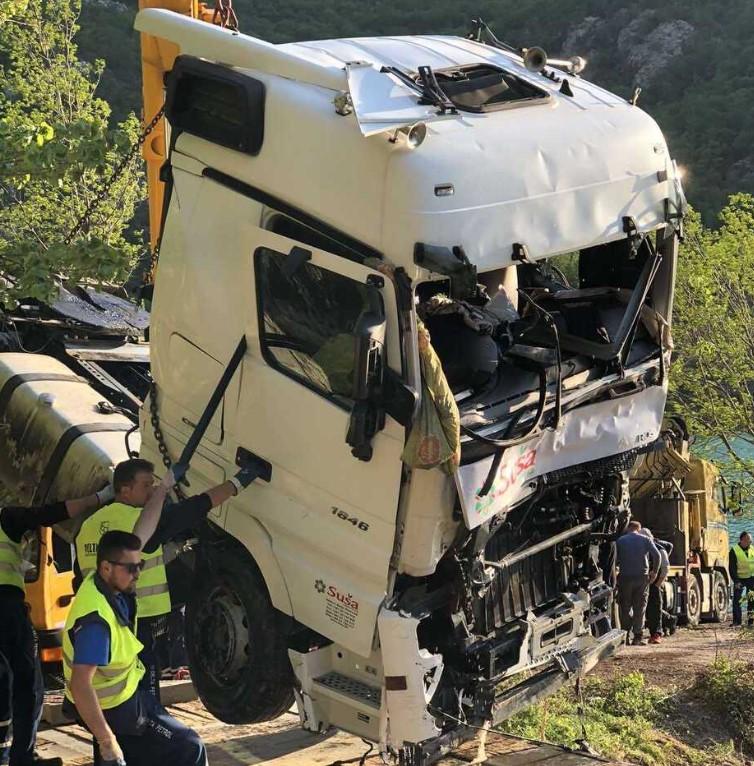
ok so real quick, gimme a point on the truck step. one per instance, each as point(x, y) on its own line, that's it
point(350, 687)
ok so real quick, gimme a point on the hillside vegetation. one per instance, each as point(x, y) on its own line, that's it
point(693, 59)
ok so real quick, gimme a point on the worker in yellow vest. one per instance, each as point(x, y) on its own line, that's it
point(103, 671)
point(134, 485)
point(741, 568)
point(21, 688)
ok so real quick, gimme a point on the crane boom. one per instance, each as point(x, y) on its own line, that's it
point(157, 57)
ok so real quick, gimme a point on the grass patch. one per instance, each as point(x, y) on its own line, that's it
point(622, 719)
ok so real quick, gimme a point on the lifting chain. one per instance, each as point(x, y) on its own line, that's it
point(162, 446)
point(224, 15)
point(133, 152)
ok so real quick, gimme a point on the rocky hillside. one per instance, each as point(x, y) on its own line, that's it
point(693, 59)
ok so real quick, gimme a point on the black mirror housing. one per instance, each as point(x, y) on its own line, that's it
point(368, 414)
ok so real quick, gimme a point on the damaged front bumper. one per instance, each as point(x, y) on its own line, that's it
point(571, 664)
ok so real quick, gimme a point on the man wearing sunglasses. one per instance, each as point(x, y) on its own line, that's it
point(134, 484)
point(21, 687)
point(103, 672)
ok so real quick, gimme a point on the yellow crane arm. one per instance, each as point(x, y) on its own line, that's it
point(157, 57)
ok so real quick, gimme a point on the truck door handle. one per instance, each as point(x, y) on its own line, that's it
point(261, 467)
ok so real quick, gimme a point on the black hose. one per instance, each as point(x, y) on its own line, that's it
point(503, 443)
point(488, 482)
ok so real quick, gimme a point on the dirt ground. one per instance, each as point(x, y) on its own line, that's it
point(675, 661)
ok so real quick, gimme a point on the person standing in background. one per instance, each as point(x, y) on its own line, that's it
point(655, 599)
point(638, 564)
point(741, 568)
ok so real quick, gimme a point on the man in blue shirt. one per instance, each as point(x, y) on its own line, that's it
point(638, 564)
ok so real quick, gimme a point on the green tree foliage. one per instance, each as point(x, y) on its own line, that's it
point(56, 154)
point(712, 379)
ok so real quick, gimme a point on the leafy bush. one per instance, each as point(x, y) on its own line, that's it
point(728, 687)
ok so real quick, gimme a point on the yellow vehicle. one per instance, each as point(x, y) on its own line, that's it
point(49, 588)
point(682, 499)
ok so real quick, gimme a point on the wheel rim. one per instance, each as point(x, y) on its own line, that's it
point(693, 605)
point(222, 635)
point(721, 598)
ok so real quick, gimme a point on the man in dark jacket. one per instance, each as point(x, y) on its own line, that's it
point(655, 601)
point(741, 568)
point(21, 687)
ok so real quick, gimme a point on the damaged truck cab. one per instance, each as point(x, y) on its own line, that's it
point(338, 204)
point(453, 279)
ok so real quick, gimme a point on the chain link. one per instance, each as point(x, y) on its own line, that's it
point(162, 446)
point(116, 174)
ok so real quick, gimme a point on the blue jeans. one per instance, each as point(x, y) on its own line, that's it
point(21, 685)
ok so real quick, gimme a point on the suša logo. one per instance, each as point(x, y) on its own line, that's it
point(346, 599)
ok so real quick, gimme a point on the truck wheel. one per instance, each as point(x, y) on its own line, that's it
point(236, 644)
point(719, 597)
point(693, 601)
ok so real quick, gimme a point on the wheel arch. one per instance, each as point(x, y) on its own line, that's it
point(249, 535)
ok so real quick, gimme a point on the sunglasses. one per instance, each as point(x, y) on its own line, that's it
point(133, 569)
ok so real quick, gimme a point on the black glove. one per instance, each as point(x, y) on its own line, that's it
point(244, 477)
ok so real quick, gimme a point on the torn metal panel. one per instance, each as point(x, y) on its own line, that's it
point(586, 434)
point(382, 103)
point(102, 311)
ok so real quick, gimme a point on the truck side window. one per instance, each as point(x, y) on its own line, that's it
point(306, 320)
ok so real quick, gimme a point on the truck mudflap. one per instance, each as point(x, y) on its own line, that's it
point(567, 666)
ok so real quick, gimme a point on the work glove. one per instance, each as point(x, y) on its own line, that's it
point(244, 477)
point(111, 753)
point(105, 495)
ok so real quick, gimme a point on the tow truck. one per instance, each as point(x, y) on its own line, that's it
point(685, 500)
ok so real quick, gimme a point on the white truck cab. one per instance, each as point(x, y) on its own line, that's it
point(334, 204)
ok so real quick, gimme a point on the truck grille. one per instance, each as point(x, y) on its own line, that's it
point(527, 585)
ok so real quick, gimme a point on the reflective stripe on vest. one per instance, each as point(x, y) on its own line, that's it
point(11, 572)
point(116, 682)
point(745, 561)
point(152, 589)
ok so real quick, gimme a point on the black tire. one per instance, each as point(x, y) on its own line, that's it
point(720, 596)
point(693, 601)
point(236, 642)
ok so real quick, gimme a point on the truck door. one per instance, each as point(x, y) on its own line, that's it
point(331, 517)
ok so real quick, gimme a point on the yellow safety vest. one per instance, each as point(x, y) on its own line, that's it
point(117, 681)
point(11, 572)
point(152, 590)
point(745, 561)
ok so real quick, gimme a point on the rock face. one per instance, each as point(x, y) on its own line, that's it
point(644, 47)
point(648, 53)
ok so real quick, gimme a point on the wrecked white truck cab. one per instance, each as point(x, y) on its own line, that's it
point(326, 197)
point(336, 203)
